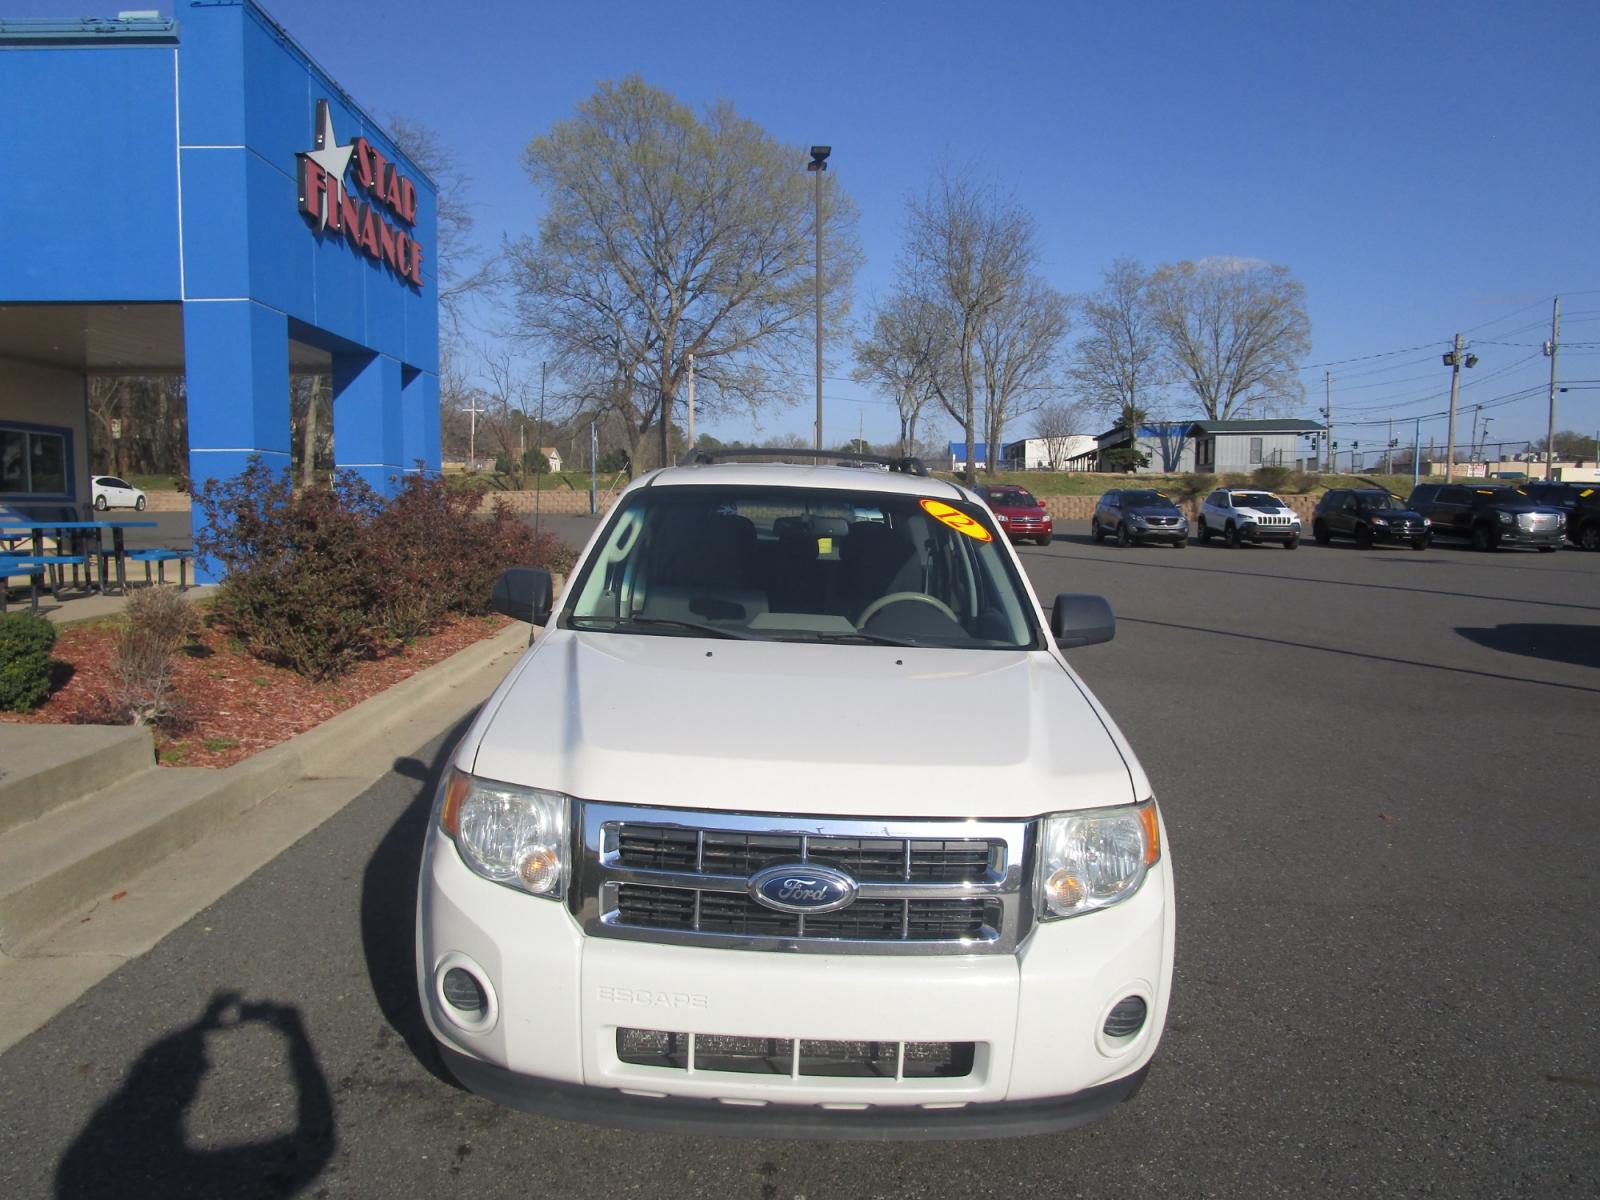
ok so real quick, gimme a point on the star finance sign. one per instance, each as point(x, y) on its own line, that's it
point(326, 200)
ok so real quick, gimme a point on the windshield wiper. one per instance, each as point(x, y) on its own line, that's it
point(873, 639)
point(615, 624)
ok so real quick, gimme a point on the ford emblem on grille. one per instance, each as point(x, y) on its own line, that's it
point(802, 888)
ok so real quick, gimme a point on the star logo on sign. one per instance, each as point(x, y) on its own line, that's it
point(333, 158)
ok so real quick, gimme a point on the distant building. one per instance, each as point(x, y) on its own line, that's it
point(958, 456)
point(551, 456)
point(1214, 447)
point(1046, 454)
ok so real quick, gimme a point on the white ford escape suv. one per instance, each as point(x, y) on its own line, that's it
point(796, 822)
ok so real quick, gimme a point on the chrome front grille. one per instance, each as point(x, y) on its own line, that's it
point(924, 887)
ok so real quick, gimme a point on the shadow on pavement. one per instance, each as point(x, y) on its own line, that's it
point(136, 1142)
point(1576, 644)
point(389, 908)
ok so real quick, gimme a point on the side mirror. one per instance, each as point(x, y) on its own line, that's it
point(1079, 620)
point(524, 594)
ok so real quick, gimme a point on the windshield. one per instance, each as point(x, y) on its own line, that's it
point(1146, 500)
point(1371, 503)
point(780, 564)
point(1016, 499)
point(1255, 500)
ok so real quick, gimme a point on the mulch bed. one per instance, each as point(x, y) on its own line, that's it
point(235, 705)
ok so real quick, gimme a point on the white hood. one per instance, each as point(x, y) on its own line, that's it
point(778, 727)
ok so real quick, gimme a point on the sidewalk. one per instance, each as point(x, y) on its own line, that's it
point(104, 853)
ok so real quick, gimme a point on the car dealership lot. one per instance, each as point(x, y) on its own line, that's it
point(1377, 769)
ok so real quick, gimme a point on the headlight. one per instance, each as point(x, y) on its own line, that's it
point(1380, 520)
point(1506, 517)
point(1427, 522)
point(513, 835)
point(1095, 858)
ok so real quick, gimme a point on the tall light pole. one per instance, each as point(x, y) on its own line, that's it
point(817, 165)
point(1455, 360)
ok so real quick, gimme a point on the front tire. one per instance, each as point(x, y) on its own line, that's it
point(1096, 534)
point(1363, 537)
point(1122, 536)
point(100, 504)
point(1589, 536)
point(1291, 543)
point(139, 504)
point(1483, 538)
point(1423, 542)
point(1181, 543)
point(1320, 534)
point(1230, 536)
point(1043, 540)
point(1547, 549)
point(1205, 534)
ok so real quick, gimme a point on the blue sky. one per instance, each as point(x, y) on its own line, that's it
point(1422, 168)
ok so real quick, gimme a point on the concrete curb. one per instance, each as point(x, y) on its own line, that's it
point(122, 837)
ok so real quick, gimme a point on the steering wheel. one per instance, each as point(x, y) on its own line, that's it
point(883, 602)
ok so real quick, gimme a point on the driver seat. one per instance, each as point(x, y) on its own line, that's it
point(876, 561)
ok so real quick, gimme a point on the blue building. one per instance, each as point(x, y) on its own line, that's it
point(197, 196)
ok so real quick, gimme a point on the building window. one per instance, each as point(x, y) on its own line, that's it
point(1255, 452)
point(33, 462)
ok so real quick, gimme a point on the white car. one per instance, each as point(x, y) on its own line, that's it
point(796, 821)
point(1248, 515)
point(107, 491)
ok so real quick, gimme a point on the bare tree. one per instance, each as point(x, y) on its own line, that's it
point(1234, 331)
point(1019, 344)
point(1055, 422)
point(1118, 364)
point(670, 235)
point(458, 267)
point(969, 249)
point(899, 358)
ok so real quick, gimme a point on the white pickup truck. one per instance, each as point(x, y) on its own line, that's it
point(795, 821)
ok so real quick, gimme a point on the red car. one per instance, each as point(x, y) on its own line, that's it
point(1019, 514)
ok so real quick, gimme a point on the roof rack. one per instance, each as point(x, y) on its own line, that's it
point(905, 465)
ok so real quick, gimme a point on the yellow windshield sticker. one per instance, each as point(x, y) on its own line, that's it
point(824, 545)
point(1586, 492)
point(956, 519)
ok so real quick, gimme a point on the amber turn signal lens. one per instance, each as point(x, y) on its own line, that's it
point(1152, 832)
point(456, 787)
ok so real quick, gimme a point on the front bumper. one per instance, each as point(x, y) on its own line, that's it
point(1159, 533)
point(665, 1114)
point(1523, 537)
point(1271, 533)
point(1022, 530)
point(558, 998)
point(1399, 533)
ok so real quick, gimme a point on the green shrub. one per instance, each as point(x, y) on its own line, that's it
point(1272, 479)
point(25, 642)
point(1301, 482)
point(1196, 482)
point(1235, 479)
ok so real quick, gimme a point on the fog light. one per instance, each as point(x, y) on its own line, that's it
point(463, 992)
point(1126, 1017)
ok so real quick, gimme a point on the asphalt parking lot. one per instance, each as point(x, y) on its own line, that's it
point(1378, 770)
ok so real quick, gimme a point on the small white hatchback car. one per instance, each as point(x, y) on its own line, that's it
point(795, 821)
point(1238, 515)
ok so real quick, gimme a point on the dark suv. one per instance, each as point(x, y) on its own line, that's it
point(1580, 502)
point(1370, 516)
point(1490, 516)
point(1138, 515)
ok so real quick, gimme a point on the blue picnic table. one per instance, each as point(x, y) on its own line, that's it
point(37, 562)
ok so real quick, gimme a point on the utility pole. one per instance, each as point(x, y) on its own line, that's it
point(1472, 446)
point(472, 435)
point(691, 402)
point(1550, 349)
point(594, 452)
point(1327, 417)
point(1416, 455)
point(1388, 450)
point(817, 165)
point(1455, 360)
